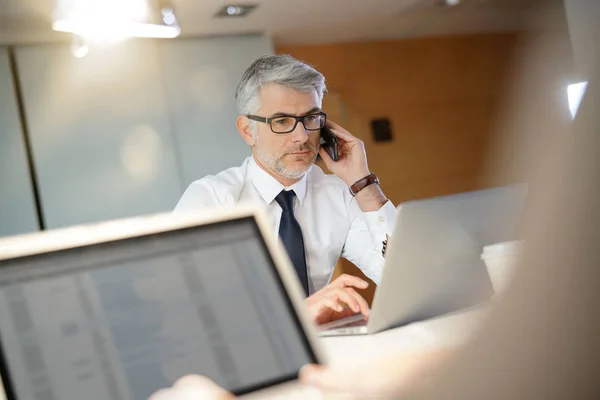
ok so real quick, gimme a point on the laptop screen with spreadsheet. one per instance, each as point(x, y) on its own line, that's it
point(119, 320)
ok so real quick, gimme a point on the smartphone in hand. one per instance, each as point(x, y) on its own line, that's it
point(329, 142)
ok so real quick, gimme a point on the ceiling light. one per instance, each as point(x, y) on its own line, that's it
point(113, 20)
point(79, 48)
point(448, 3)
point(235, 10)
point(575, 93)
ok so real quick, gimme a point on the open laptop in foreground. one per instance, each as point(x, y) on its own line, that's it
point(433, 264)
point(119, 310)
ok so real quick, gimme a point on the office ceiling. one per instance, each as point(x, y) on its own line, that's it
point(311, 21)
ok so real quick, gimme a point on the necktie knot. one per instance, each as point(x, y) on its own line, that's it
point(285, 199)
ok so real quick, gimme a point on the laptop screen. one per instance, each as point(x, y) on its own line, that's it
point(122, 319)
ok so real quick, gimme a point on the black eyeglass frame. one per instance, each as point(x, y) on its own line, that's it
point(298, 119)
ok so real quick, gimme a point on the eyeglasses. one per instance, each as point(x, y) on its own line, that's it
point(311, 122)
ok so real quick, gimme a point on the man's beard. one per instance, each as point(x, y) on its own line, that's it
point(276, 164)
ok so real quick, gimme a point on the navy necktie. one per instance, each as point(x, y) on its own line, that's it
point(291, 235)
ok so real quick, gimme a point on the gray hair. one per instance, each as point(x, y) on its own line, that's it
point(281, 69)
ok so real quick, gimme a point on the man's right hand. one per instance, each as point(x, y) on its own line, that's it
point(337, 300)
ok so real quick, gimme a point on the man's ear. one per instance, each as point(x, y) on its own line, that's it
point(243, 126)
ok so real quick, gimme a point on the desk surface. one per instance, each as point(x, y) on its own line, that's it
point(445, 331)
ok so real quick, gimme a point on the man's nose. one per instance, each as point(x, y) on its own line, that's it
point(299, 134)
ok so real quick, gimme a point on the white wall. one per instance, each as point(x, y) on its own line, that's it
point(201, 77)
point(123, 131)
point(17, 205)
point(100, 132)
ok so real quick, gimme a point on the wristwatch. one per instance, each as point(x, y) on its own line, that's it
point(363, 183)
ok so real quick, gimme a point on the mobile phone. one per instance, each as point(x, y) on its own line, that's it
point(329, 142)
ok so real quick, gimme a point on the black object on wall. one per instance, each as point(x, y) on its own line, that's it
point(25, 131)
point(381, 129)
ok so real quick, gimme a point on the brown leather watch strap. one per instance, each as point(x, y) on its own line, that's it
point(363, 183)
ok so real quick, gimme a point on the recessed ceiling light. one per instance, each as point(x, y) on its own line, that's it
point(448, 3)
point(235, 10)
point(575, 94)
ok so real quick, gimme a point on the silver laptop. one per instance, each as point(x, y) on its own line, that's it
point(433, 264)
point(119, 310)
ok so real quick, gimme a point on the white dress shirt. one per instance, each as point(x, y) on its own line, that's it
point(332, 223)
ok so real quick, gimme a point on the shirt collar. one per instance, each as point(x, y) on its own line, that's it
point(269, 187)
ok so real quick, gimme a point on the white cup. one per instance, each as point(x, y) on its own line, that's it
point(501, 260)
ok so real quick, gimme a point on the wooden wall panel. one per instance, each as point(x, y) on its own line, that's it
point(440, 95)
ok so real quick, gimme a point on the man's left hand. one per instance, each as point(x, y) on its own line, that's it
point(352, 162)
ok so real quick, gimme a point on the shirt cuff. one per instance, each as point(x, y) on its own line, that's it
point(382, 221)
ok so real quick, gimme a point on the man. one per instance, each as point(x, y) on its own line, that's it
point(318, 219)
